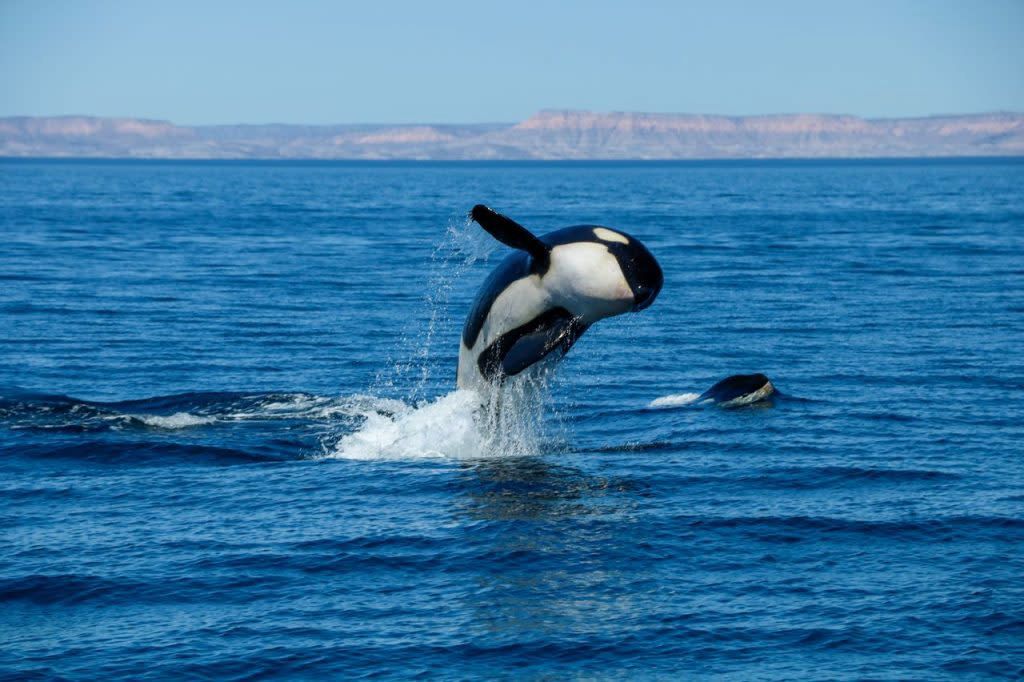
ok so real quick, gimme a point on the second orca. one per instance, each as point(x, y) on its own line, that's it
point(739, 390)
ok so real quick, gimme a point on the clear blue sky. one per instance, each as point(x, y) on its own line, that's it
point(437, 61)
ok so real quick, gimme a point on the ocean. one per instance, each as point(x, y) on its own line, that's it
point(231, 445)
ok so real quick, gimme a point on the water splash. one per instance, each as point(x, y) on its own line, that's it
point(445, 427)
point(503, 421)
point(462, 246)
point(507, 421)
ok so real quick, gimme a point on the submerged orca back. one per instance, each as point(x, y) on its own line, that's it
point(751, 386)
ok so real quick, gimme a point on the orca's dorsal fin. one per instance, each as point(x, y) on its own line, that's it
point(510, 233)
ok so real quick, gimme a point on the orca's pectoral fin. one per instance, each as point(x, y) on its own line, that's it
point(510, 233)
point(533, 347)
point(555, 330)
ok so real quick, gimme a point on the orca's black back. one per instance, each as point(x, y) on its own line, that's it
point(515, 266)
point(734, 387)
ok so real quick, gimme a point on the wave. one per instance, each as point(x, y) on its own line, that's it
point(803, 478)
point(206, 428)
point(141, 452)
point(48, 590)
point(799, 528)
point(57, 413)
point(72, 589)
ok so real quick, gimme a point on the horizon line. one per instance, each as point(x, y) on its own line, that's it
point(824, 160)
point(546, 110)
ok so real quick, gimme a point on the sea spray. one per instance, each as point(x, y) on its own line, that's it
point(512, 416)
point(445, 427)
point(504, 421)
point(411, 376)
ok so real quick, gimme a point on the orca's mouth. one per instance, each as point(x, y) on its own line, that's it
point(643, 297)
point(644, 276)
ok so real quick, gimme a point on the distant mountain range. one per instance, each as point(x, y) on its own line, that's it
point(548, 134)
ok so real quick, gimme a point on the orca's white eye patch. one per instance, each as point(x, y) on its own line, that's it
point(606, 235)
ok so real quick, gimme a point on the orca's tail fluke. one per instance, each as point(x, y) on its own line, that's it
point(510, 233)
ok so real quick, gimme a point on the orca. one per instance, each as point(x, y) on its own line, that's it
point(541, 299)
point(740, 389)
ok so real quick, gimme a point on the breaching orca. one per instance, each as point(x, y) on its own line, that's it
point(739, 389)
point(541, 299)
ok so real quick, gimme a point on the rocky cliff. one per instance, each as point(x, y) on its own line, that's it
point(549, 134)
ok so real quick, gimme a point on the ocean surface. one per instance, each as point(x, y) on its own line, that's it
point(231, 448)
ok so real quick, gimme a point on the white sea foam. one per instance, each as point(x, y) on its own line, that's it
point(676, 400)
point(304, 406)
point(446, 427)
point(354, 406)
point(280, 407)
point(460, 425)
point(178, 420)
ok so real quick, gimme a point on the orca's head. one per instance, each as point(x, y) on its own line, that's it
point(602, 272)
point(639, 267)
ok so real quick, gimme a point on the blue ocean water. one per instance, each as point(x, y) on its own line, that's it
point(230, 446)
